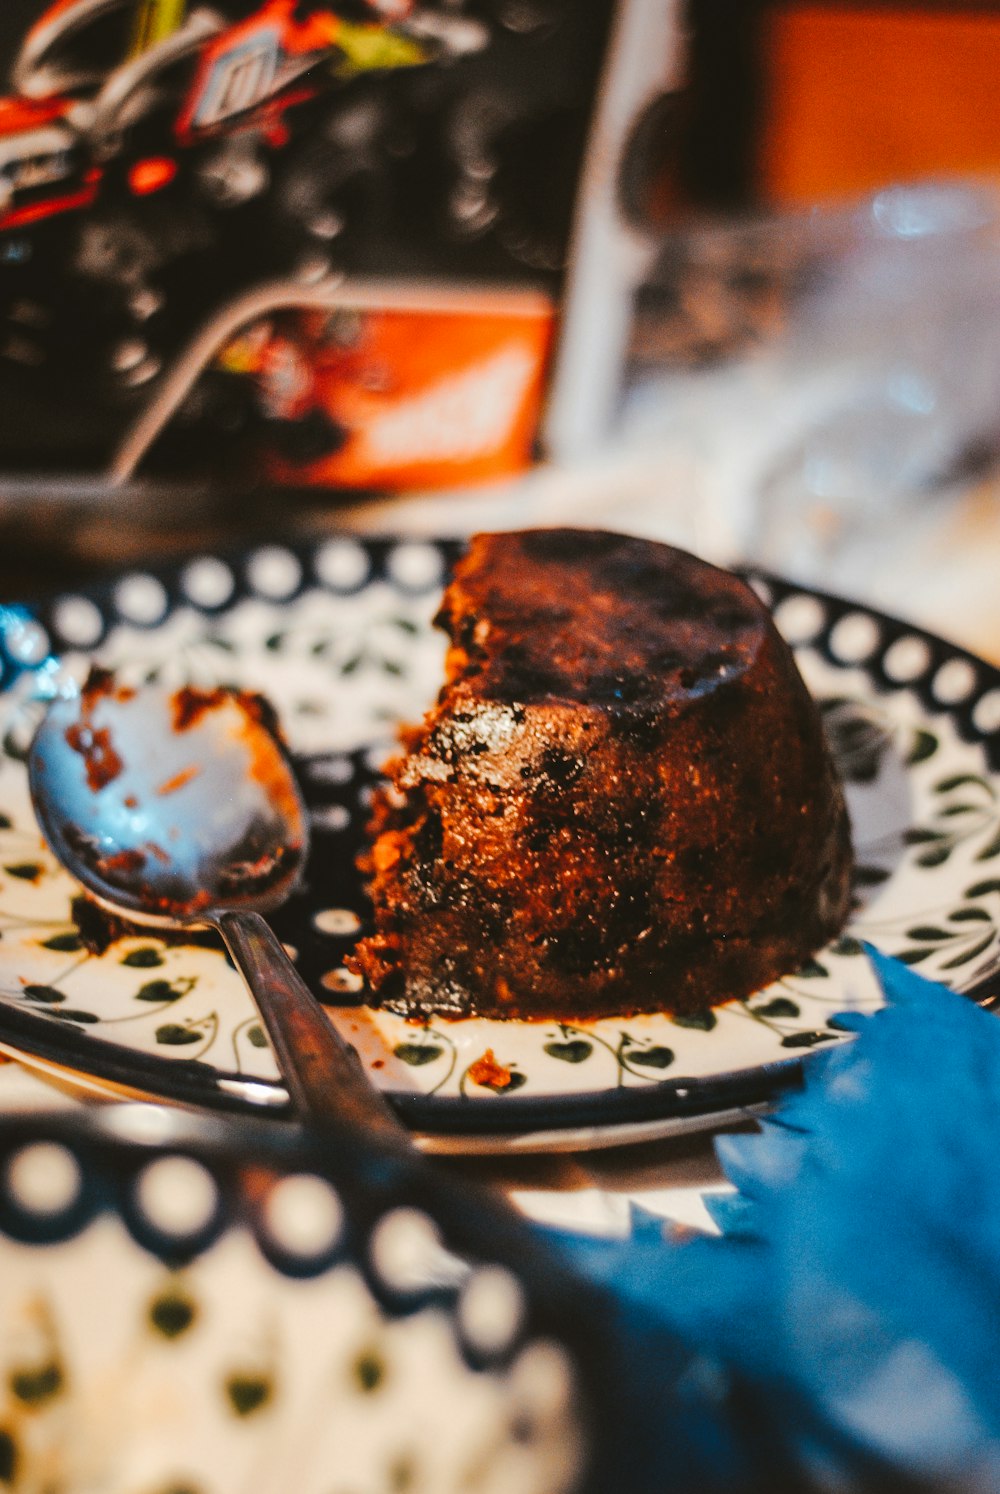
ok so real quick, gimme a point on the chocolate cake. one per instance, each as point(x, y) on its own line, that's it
point(621, 802)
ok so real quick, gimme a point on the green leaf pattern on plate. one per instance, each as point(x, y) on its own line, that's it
point(341, 671)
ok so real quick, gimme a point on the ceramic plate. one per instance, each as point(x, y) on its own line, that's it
point(339, 636)
point(162, 1278)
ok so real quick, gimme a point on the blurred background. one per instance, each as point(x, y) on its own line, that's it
point(726, 275)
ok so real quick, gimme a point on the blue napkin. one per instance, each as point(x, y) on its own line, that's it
point(847, 1322)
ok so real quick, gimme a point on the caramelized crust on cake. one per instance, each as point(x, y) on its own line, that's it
point(621, 802)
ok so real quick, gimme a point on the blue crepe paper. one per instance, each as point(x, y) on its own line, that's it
point(854, 1295)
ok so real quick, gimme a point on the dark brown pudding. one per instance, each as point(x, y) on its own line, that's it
point(621, 802)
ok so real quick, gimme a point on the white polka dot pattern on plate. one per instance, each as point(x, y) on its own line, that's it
point(330, 770)
point(177, 1195)
point(416, 566)
point(854, 637)
point(342, 980)
point(954, 681)
point(376, 756)
point(141, 598)
point(799, 618)
point(337, 921)
point(491, 1310)
point(408, 1254)
point(79, 620)
point(541, 1380)
point(26, 641)
point(986, 712)
point(341, 564)
point(762, 589)
point(207, 582)
point(907, 658)
point(274, 572)
point(331, 817)
point(304, 1215)
point(44, 1178)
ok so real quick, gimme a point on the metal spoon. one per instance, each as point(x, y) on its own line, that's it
point(175, 808)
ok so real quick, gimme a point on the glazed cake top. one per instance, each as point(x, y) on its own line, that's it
point(602, 619)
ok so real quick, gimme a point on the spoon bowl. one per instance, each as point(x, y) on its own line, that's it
point(175, 808)
point(171, 806)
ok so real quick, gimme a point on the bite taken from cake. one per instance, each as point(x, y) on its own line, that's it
point(621, 802)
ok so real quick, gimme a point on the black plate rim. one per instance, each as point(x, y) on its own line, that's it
point(193, 1083)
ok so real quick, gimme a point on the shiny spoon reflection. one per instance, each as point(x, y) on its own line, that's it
point(175, 808)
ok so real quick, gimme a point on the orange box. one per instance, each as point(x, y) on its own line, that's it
point(860, 96)
point(410, 397)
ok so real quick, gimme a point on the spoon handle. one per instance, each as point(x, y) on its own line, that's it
point(322, 1072)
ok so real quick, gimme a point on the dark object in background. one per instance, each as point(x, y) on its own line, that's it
point(693, 150)
point(159, 160)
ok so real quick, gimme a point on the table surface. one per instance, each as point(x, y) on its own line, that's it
point(940, 571)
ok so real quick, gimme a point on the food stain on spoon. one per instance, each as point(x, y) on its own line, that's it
point(102, 762)
point(178, 781)
point(101, 759)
